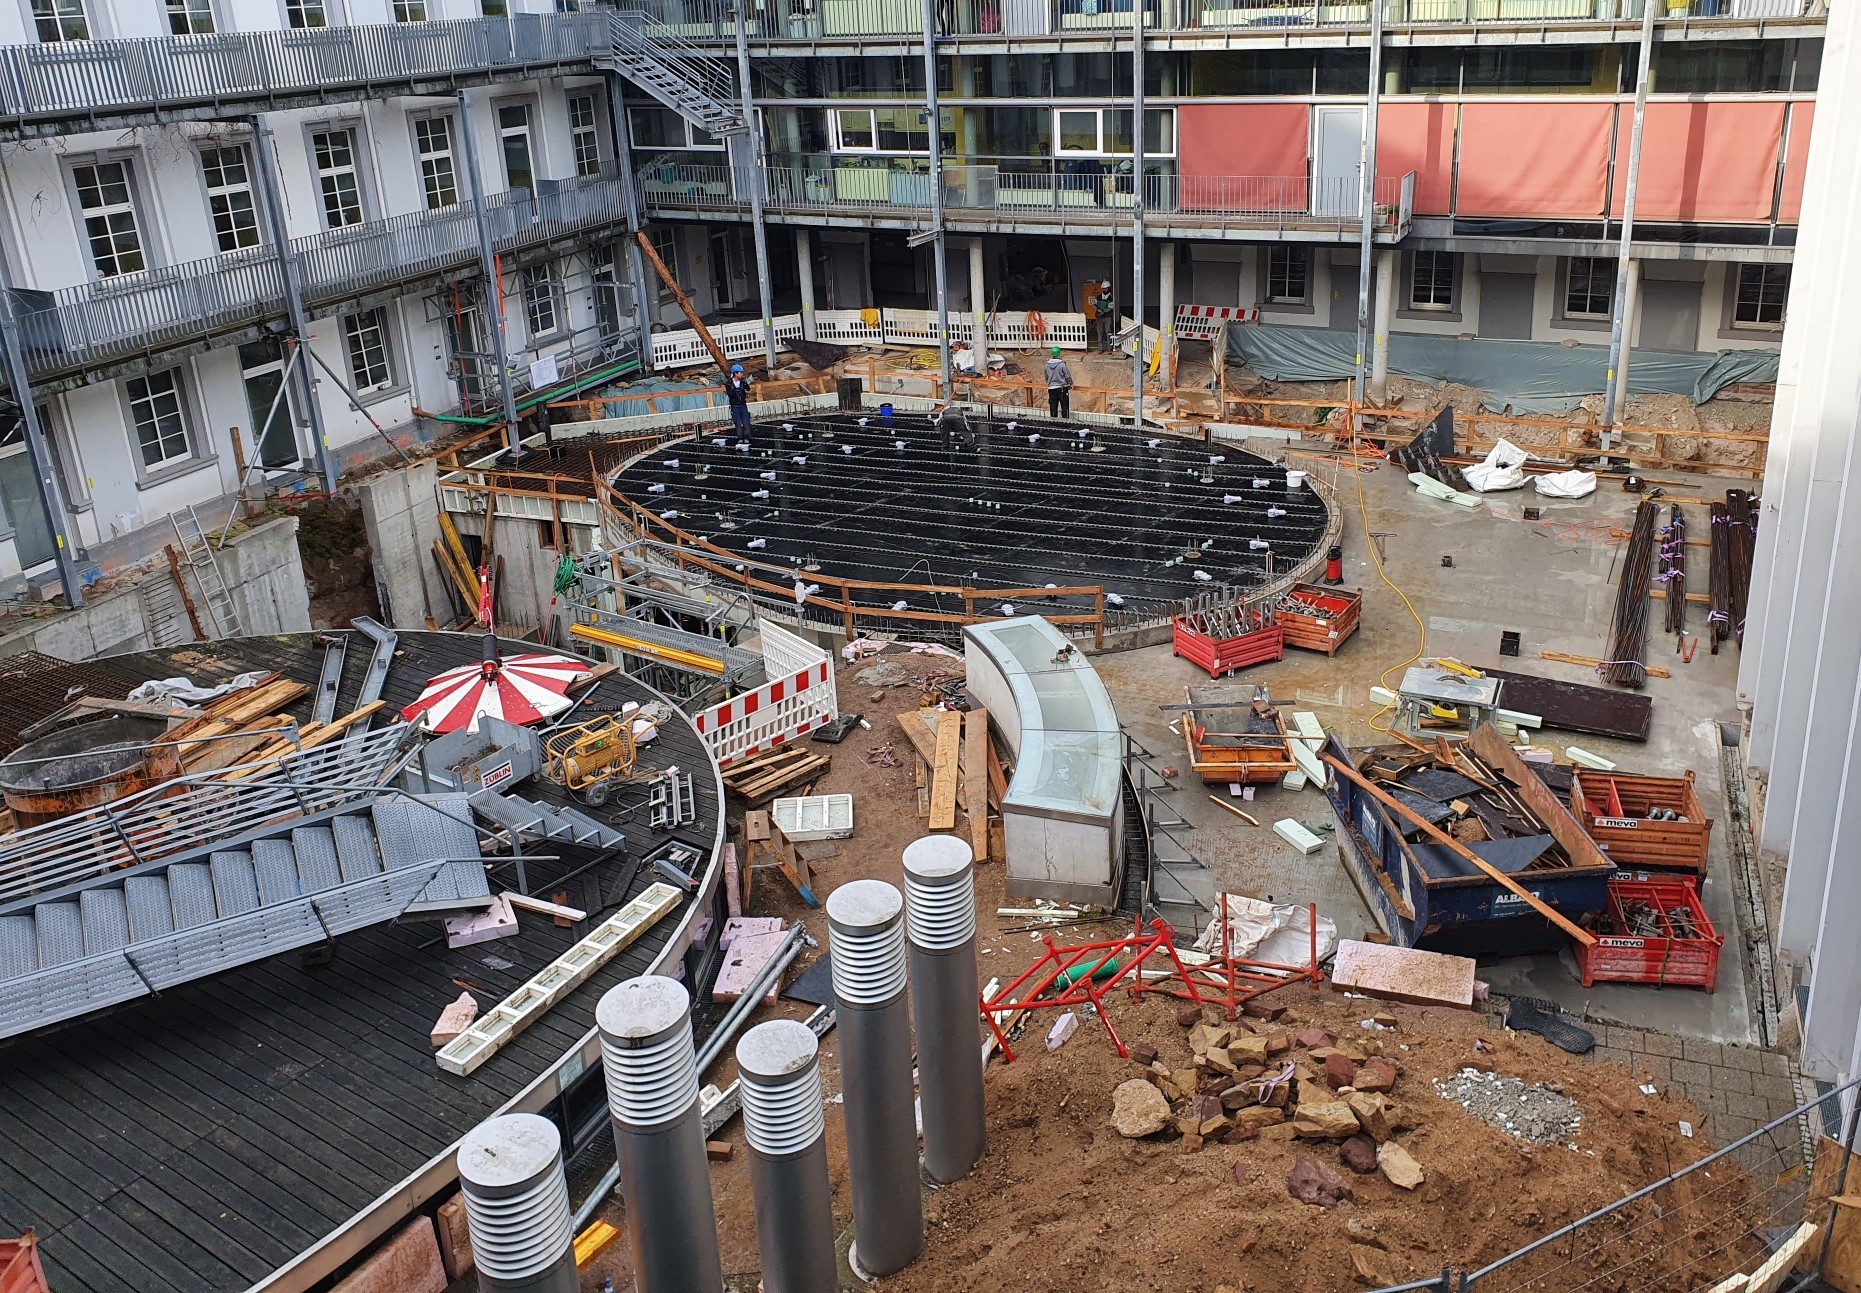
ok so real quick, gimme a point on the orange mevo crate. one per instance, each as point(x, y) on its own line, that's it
point(1331, 615)
point(1679, 949)
point(20, 1271)
point(1224, 655)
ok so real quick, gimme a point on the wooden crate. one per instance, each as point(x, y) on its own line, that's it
point(1613, 809)
point(1251, 758)
point(1335, 614)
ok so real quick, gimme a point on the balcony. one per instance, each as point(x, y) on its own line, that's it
point(78, 329)
point(995, 21)
point(991, 197)
point(45, 89)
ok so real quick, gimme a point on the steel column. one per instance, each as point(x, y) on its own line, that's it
point(636, 264)
point(1618, 335)
point(940, 253)
point(51, 494)
point(866, 933)
point(1366, 196)
point(494, 286)
point(940, 908)
point(1137, 210)
point(1383, 311)
point(754, 145)
point(292, 274)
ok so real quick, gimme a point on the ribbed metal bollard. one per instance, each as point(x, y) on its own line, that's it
point(652, 1093)
point(866, 931)
point(517, 1206)
point(786, 1125)
point(940, 913)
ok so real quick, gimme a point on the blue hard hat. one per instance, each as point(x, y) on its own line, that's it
point(736, 368)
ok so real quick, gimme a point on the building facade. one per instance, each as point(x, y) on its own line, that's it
point(158, 155)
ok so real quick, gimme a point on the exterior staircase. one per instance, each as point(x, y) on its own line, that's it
point(691, 81)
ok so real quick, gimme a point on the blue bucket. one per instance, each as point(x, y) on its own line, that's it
point(885, 412)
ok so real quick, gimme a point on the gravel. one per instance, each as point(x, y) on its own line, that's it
point(1529, 1112)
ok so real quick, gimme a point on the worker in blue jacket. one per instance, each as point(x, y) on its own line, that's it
point(737, 391)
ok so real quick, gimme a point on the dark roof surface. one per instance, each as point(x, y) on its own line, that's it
point(197, 1141)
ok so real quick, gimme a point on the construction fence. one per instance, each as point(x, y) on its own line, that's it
point(1762, 1215)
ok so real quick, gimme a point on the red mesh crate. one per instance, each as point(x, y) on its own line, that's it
point(1653, 931)
point(1224, 655)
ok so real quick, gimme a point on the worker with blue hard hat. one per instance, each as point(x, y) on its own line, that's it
point(737, 391)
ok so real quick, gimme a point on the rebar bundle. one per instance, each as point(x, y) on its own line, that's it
point(1673, 574)
point(1734, 539)
point(1628, 627)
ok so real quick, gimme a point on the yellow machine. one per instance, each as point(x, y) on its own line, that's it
point(586, 758)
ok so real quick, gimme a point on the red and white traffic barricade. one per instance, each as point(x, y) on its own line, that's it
point(1202, 322)
point(798, 698)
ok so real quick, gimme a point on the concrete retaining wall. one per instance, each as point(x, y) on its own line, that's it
point(400, 512)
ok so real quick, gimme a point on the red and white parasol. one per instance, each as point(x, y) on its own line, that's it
point(523, 689)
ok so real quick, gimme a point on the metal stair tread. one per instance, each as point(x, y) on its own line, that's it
point(600, 833)
point(19, 946)
point(274, 865)
point(358, 851)
point(318, 866)
point(61, 933)
point(151, 913)
point(106, 920)
point(190, 891)
point(235, 887)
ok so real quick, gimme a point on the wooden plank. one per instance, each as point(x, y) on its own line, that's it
point(1575, 707)
point(1454, 846)
point(1591, 662)
point(943, 773)
point(534, 999)
point(523, 902)
point(976, 780)
point(1490, 746)
point(1769, 1277)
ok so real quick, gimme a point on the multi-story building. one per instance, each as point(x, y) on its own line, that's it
point(159, 154)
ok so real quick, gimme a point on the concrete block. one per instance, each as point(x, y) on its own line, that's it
point(408, 1263)
point(1403, 973)
point(496, 921)
point(455, 1238)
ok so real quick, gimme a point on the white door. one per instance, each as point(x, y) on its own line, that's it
point(1337, 151)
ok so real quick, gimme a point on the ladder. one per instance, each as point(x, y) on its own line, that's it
point(197, 556)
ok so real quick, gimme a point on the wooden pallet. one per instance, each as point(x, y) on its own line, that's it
point(766, 775)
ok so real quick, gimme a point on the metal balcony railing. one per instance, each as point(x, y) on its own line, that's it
point(136, 314)
point(704, 20)
point(1225, 200)
point(99, 78)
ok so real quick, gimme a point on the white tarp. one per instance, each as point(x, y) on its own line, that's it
point(1264, 931)
point(1502, 468)
point(1567, 484)
point(161, 689)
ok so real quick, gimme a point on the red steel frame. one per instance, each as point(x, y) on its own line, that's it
point(1236, 982)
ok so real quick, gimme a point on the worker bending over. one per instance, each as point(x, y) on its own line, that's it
point(953, 425)
point(1059, 387)
point(737, 391)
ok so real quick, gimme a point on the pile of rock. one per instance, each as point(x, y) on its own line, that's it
point(1254, 1079)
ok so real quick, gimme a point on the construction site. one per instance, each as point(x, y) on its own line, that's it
point(665, 730)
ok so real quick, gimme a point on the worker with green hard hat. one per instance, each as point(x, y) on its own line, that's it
point(1059, 387)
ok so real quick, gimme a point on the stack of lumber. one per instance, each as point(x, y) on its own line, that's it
point(251, 727)
point(764, 775)
point(959, 766)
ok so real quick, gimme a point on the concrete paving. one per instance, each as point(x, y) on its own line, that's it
point(1550, 581)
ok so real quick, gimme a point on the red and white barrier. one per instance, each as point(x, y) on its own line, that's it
point(798, 698)
point(1201, 322)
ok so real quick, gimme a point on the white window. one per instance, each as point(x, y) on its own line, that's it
point(495, 8)
point(585, 134)
point(542, 303)
point(433, 142)
point(1763, 291)
point(1287, 276)
point(664, 128)
point(883, 130)
point(1590, 288)
point(306, 13)
point(229, 197)
point(514, 140)
point(371, 365)
point(156, 412)
point(1106, 132)
point(56, 20)
point(189, 17)
point(1431, 281)
point(338, 177)
point(106, 196)
point(409, 10)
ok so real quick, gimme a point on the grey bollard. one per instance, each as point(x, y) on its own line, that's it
point(940, 913)
point(866, 931)
point(786, 1125)
point(517, 1206)
point(652, 1093)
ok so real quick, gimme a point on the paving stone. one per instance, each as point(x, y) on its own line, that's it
point(1732, 1081)
point(1610, 1055)
point(1773, 1063)
point(1690, 1073)
point(1660, 1044)
point(1748, 1106)
point(1702, 1052)
point(1748, 1058)
point(1777, 1091)
point(1656, 1067)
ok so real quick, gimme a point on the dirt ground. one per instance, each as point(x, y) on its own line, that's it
point(1062, 1202)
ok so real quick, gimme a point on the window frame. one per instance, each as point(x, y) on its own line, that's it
point(136, 203)
point(204, 148)
point(689, 133)
point(326, 11)
point(82, 18)
point(1566, 282)
point(364, 189)
point(1286, 304)
point(1450, 313)
point(402, 10)
point(1102, 139)
point(531, 141)
point(1735, 292)
point(592, 130)
point(1435, 262)
point(546, 275)
point(421, 156)
point(169, 468)
point(191, 13)
point(381, 319)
